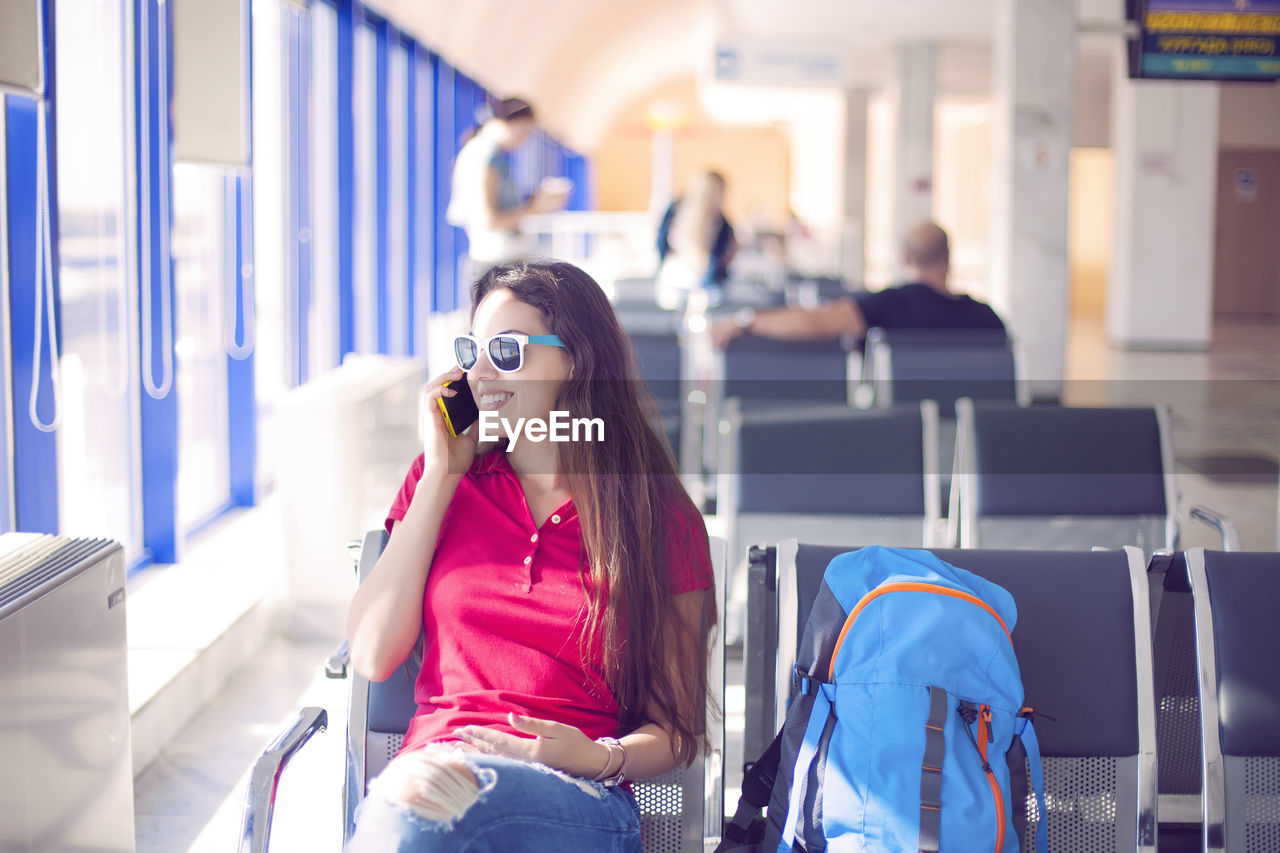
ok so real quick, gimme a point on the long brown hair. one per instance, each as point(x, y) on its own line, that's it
point(631, 505)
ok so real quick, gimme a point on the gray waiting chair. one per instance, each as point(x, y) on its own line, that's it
point(1178, 735)
point(753, 367)
point(1062, 477)
point(763, 369)
point(663, 361)
point(827, 473)
point(903, 366)
point(633, 292)
point(1237, 634)
point(1083, 642)
point(830, 474)
point(908, 365)
point(681, 812)
point(648, 320)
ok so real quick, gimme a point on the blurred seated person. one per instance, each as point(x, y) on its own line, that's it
point(695, 243)
point(925, 302)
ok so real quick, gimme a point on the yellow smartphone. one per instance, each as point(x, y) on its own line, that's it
point(460, 410)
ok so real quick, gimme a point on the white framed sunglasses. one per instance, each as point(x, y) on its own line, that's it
point(506, 351)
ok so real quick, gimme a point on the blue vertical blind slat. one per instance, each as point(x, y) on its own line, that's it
point(382, 145)
point(158, 417)
point(35, 458)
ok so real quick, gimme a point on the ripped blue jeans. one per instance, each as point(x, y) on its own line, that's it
point(510, 806)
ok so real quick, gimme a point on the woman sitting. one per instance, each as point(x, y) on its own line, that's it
point(563, 589)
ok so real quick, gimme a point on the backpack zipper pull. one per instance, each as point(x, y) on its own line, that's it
point(1032, 714)
point(970, 714)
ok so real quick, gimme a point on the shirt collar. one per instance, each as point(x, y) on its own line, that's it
point(495, 462)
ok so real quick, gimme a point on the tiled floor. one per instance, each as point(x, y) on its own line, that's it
point(1224, 401)
point(191, 797)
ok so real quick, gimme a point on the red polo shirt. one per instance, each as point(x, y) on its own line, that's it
point(504, 610)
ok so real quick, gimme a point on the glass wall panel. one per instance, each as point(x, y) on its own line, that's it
point(203, 259)
point(323, 319)
point(99, 469)
point(364, 98)
point(397, 224)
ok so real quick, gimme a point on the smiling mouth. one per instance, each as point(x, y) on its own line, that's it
point(494, 400)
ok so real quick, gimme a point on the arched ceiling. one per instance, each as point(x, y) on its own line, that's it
point(581, 61)
point(578, 61)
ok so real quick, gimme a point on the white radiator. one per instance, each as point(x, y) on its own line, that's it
point(66, 776)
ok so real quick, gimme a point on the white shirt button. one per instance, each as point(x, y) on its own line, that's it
point(555, 519)
point(528, 560)
point(533, 538)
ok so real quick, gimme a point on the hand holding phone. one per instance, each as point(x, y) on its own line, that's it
point(444, 417)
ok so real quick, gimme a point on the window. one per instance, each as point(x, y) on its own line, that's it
point(364, 100)
point(203, 198)
point(98, 475)
point(398, 199)
point(424, 205)
point(323, 318)
point(275, 368)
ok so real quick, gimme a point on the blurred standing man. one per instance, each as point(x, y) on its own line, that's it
point(484, 200)
point(924, 303)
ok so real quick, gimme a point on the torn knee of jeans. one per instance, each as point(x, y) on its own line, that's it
point(439, 790)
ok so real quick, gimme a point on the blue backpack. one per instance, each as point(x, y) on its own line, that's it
point(905, 720)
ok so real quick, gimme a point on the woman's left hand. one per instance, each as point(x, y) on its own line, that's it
point(556, 745)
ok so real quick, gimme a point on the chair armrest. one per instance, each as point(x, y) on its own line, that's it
point(1225, 526)
point(337, 664)
point(260, 799)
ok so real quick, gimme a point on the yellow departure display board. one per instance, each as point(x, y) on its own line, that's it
point(1206, 40)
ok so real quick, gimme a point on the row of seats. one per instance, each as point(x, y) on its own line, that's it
point(680, 811)
point(690, 380)
point(1022, 477)
point(1084, 639)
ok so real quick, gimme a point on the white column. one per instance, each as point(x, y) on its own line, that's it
point(1164, 137)
point(854, 207)
point(913, 165)
point(662, 167)
point(1033, 71)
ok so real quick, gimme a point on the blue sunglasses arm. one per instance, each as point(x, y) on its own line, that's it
point(549, 340)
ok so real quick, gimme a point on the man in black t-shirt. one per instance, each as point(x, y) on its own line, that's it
point(924, 303)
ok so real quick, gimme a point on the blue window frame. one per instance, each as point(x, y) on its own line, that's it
point(35, 455)
point(159, 409)
point(347, 20)
point(444, 297)
point(6, 366)
point(382, 194)
point(241, 330)
point(35, 452)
